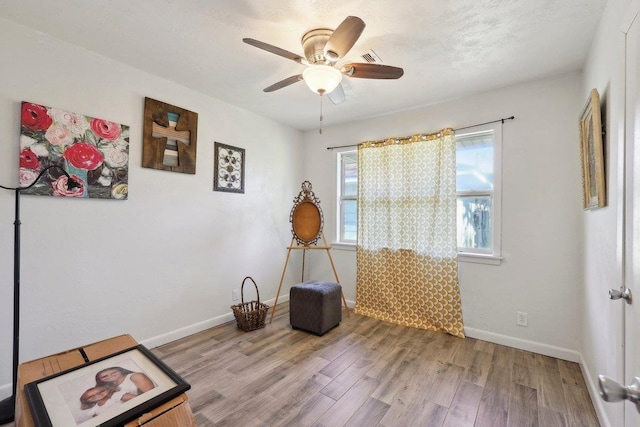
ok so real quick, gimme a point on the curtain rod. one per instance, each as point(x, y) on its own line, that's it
point(466, 127)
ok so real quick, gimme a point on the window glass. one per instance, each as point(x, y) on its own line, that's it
point(350, 220)
point(350, 175)
point(475, 175)
point(474, 162)
point(474, 222)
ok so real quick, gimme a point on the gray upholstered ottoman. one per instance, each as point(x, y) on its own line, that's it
point(315, 306)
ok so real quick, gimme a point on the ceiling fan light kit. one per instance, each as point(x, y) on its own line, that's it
point(322, 79)
point(323, 49)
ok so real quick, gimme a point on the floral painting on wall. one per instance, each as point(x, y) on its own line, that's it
point(94, 152)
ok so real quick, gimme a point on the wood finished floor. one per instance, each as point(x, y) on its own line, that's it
point(369, 373)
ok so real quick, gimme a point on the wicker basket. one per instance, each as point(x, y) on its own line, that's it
point(250, 315)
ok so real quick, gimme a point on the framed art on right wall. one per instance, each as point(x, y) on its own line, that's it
point(592, 153)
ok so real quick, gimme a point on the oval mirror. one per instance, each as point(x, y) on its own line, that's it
point(306, 217)
point(307, 222)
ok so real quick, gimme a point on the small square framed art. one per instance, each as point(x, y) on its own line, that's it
point(228, 170)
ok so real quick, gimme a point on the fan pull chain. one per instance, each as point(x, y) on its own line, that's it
point(320, 130)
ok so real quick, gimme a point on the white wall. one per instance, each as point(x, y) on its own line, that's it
point(160, 265)
point(163, 263)
point(541, 273)
point(602, 334)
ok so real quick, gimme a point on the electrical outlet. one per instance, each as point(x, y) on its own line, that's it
point(235, 295)
point(521, 318)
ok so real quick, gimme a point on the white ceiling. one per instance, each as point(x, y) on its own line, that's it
point(447, 48)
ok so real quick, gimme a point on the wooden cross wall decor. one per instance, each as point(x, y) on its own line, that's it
point(169, 137)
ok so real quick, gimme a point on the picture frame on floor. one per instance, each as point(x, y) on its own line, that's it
point(107, 392)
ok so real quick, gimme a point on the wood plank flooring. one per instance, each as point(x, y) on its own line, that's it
point(369, 373)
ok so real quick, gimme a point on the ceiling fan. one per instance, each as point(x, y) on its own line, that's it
point(323, 49)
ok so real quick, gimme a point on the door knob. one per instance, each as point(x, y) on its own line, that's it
point(612, 391)
point(624, 293)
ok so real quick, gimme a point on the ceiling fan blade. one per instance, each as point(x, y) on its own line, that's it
point(278, 51)
point(372, 71)
point(336, 96)
point(283, 83)
point(343, 38)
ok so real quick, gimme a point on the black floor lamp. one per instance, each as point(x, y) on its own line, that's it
point(7, 406)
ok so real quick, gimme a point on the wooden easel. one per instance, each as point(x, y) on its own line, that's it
point(304, 251)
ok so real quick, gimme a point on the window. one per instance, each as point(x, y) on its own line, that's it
point(348, 196)
point(478, 177)
point(477, 183)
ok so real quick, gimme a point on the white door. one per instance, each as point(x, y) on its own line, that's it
point(632, 214)
point(631, 241)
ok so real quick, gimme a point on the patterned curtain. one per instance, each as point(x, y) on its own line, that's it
point(407, 266)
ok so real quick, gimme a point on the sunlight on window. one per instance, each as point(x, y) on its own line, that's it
point(474, 183)
point(348, 197)
point(478, 193)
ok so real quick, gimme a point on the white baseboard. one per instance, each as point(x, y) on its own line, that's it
point(198, 327)
point(186, 331)
point(533, 346)
point(209, 323)
point(552, 351)
point(547, 350)
point(592, 387)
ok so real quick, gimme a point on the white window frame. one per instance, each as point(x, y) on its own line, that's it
point(492, 256)
point(339, 240)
